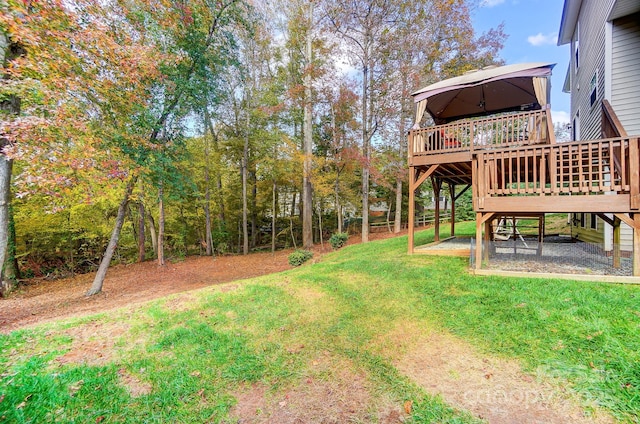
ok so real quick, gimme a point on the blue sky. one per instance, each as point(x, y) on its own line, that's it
point(532, 27)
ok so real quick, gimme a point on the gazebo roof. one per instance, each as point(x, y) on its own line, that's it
point(488, 90)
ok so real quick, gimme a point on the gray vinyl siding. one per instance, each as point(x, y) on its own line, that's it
point(592, 24)
point(625, 69)
point(626, 237)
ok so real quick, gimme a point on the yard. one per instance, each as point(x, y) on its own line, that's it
point(364, 334)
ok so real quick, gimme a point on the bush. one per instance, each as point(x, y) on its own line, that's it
point(299, 257)
point(338, 240)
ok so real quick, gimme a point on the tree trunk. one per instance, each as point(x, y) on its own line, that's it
point(245, 159)
point(153, 233)
point(12, 259)
point(307, 195)
point(98, 281)
point(397, 224)
point(11, 105)
point(11, 271)
point(254, 208)
point(365, 153)
point(293, 204)
point(320, 224)
point(338, 208)
point(207, 191)
point(274, 216)
point(161, 224)
point(142, 254)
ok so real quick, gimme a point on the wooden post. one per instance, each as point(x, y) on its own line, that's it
point(636, 244)
point(540, 235)
point(616, 242)
point(452, 192)
point(514, 227)
point(414, 183)
point(436, 219)
point(487, 240)
point(478, 240)
point(634, 163)
point(412, 206)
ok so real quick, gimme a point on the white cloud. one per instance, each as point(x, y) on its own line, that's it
point(560, 117)
point(491, 3)
point(541, 39)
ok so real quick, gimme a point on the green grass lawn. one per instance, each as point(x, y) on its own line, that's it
point(191, 357)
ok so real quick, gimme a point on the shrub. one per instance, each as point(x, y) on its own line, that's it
point(338, 240)
point(299, 257)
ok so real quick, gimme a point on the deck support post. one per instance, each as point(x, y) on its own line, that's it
point(478, 254)
point(636, 244)
point(412, 207)
point(616, 242)
point(452, 193)
point(487, 240)
point(435, 183)
point(540, 235)
point(482, 218)
point(414, 182)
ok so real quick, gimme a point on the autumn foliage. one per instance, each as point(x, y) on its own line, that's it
point(168, 106)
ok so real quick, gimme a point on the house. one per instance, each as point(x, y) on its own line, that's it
point(604, 80)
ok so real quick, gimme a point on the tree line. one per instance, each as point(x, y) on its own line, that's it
point(140, 129)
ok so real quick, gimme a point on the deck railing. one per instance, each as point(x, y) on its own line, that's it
point(502, 131)
point(580, 167)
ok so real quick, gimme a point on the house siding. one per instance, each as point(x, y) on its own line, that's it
point(591, 42)
point(589, 235)
point(625, 84)
point(597, 237)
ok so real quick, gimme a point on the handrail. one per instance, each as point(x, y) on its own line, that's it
point(611, 125)
point(501, 131)
point(579, 167)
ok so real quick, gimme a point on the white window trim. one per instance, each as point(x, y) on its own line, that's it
point(576, 49)
point(594, 87)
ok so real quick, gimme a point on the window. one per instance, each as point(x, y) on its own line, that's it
point(575, 127)
point(593, 224)
point(576, 48)
point(582, 220)
point(593, 88)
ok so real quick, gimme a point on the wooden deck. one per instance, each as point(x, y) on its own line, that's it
point(514, 165)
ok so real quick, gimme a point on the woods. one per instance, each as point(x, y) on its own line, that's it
point(140, 130)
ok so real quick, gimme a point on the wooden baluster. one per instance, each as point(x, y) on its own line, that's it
point(543, 172)
point(634, 165)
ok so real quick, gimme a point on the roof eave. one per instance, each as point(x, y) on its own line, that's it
point(570, 13)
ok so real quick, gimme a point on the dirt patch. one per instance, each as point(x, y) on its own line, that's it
point(134, 385)
point(182, 302)
point(493, 389)
point(343, 396)
point(92, 343)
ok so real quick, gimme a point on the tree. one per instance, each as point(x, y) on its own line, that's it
point(307, 185)
point(9, 105)
point(397, 45)
point(364, 26)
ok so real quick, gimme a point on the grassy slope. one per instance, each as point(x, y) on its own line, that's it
point(273, 331)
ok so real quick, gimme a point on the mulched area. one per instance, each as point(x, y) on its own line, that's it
point(37, 301)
